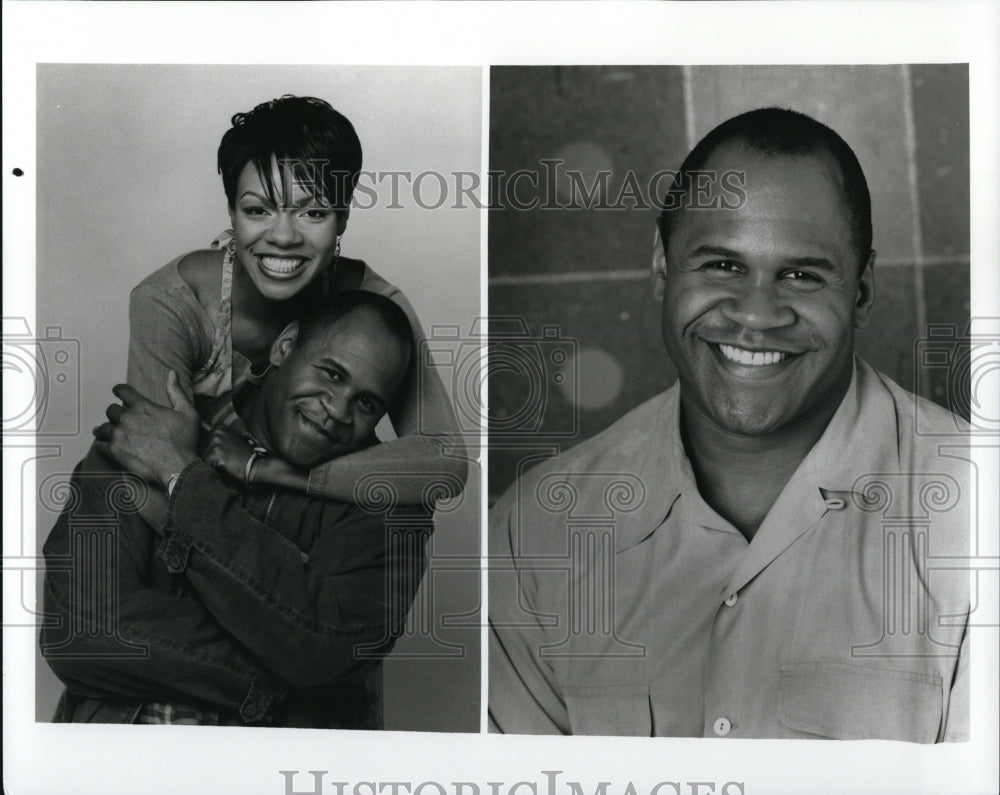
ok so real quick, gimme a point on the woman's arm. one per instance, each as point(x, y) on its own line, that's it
point(165, 333)
point(163, 324)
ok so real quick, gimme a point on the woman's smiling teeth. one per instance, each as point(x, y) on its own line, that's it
point(752, 358)
point(280, 266)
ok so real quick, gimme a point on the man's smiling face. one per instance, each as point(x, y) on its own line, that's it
point(326, 394)
point(760, 302)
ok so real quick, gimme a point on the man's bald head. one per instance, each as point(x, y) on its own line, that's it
point(775, 132)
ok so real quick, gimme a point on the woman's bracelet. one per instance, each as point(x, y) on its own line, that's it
point(174, 477)
point(171, 482)
point(258, 452)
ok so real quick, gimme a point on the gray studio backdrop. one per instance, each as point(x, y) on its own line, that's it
point(126, 180)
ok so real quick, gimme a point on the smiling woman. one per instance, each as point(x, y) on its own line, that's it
point(223, 326)
point(283, 241)
point(289, 168)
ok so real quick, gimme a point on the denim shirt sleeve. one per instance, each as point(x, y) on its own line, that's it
point(313, 619)
point(108, 633)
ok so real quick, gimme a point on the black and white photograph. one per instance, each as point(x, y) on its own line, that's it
point(531, 398)
point(734, 555)
point(230, 290)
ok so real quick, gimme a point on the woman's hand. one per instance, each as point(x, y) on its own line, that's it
point(228, 452)
point(147, 439)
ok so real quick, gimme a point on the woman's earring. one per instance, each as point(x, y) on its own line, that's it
point(336, 253)
point(231, 248)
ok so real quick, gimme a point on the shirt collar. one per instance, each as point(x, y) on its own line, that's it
point(846, 450)
point(862, 436)
point(664, 473)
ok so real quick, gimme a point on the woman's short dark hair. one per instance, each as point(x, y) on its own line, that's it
point(777, 131)
point(304, 133)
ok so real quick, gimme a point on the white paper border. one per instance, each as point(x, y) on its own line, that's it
point(107, 759)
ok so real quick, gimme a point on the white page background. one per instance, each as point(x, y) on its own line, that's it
point(48, 758)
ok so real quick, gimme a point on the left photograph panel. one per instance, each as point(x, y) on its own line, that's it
point(256, 395)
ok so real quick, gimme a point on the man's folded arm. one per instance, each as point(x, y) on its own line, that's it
point(314, 620)
point(108, 633)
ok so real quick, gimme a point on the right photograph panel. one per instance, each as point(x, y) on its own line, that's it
point(730, 385)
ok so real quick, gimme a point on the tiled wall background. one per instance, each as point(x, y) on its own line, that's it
point(585, 272)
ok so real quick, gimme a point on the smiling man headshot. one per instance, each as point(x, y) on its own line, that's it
point(746, 554)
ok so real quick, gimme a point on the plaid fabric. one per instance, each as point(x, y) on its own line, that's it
point(163, 712)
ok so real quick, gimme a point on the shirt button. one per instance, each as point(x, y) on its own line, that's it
point(722, 726)
point(174, 561)
point(731, 600)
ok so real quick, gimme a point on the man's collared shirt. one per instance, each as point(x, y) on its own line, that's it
point(622, 604)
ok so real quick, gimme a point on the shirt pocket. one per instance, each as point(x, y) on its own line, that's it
point(854, 702)
point(609, 710)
